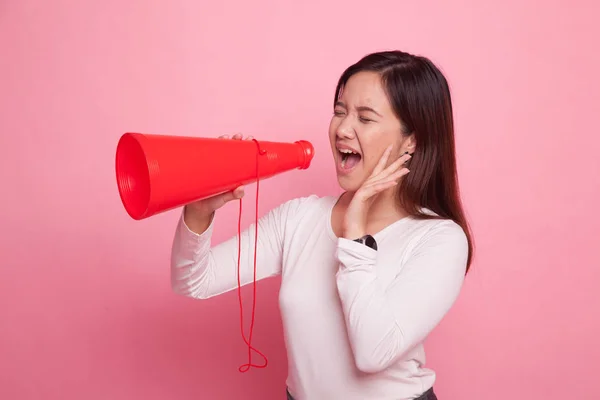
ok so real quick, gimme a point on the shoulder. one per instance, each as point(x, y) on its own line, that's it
point(445, 229)
point(435, 227)
point(439, 239)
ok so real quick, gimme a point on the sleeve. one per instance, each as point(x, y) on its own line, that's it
point(201, 270)
point(386, 319)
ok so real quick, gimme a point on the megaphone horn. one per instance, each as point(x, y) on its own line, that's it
point(156, 173)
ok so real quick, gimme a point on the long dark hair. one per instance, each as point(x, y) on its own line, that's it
point(420, 97)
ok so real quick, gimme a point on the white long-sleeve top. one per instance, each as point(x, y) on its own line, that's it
point(354, 318)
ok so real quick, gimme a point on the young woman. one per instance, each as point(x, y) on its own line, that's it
point(367, 275)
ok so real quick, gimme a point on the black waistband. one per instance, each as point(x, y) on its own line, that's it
point(428, 395)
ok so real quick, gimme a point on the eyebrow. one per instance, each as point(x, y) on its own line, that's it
point(359, 108)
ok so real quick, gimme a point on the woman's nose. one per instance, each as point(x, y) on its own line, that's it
point(345, 130)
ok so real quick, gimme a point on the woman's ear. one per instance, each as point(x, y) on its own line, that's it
point(410, 144)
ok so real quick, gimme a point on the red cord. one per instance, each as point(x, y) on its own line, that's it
point(246, 367)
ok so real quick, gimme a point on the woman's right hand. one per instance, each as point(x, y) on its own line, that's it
point(198, 215)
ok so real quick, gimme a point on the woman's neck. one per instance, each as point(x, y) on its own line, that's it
point(385, 210)
point(384, 206)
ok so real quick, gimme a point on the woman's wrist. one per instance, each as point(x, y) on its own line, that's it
point(197, 221)
point(354, 232)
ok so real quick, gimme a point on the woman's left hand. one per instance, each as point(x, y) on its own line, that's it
point(382, 178)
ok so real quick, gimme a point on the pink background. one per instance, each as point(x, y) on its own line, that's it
point(86, 310)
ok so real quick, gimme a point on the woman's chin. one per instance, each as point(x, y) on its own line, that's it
point(348, 183)
point(349, 179)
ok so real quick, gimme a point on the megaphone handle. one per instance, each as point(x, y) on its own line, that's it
point(246, 367)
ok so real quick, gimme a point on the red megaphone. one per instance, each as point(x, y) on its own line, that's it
point(156, 173)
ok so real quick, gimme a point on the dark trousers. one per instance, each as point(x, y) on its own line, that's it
point(428, 395)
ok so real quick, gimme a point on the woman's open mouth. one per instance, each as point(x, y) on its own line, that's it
point(349, 159)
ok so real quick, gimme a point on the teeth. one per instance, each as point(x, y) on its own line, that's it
point(346, 151)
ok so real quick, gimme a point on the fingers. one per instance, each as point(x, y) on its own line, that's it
point(219, 201)
point(235, 194)
point(397, 164)
point(382, 161)
point(379, 172)
point(393, 177)
point(382, 184)
point(236, 136)
point(238, 192)
point(367, 192)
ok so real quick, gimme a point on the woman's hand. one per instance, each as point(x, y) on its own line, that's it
point(197, 215)
point(381, 179)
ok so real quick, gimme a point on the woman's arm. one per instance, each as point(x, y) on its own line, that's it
point(386, 319)
point(201, 270)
